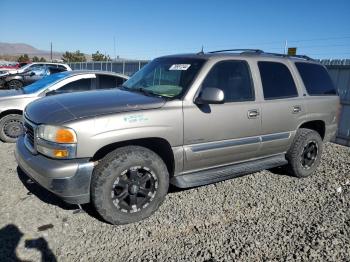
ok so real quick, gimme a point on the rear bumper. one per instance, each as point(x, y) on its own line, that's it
point(68, 179)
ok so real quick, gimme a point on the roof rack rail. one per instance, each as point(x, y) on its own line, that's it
point(297, 56)
point(259, 51)
point(237, 50)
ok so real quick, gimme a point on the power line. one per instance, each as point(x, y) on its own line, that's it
point(281, 47)
point(321, 39)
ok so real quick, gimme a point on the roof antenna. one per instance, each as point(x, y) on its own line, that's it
point(201, 52)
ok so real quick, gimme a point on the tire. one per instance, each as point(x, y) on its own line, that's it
point(302, 159)
point(11, 127)
point(14, 84)
point(113, 177)
point(2, 84)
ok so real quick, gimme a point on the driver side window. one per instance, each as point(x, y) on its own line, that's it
point(75, 86)
point(233, 78)
point(38, 70)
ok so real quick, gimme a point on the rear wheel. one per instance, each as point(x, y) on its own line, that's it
point(15, 84)
point(11, 127)
point(304, 156)
point(129, 184)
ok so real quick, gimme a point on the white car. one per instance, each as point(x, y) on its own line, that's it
point(13, 101)
point(28, 67)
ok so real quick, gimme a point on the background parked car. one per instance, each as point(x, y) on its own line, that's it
point(28, 66)
point(30, 76)
point(13, 102)
point(12, 66)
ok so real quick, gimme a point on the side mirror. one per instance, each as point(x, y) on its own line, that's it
point(210, 95)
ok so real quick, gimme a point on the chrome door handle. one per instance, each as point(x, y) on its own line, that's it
point(254, 113)
point(296, 109)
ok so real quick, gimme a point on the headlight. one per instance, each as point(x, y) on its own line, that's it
point(56, 134)
point(57, 142)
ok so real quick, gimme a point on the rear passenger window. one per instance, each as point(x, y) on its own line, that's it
point(316, 79)
point(106, 81)
point(277, 81)
point(63, 68)
point(233, 78)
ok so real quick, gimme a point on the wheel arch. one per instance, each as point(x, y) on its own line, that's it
point(11, 111)
point(317, 125)
point(10, 78)
point(158, 145)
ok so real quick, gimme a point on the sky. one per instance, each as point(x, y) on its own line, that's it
point(147, 29)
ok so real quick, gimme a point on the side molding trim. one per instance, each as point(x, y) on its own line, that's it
point(238, 142)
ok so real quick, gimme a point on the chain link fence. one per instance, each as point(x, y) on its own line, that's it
point(126, 67)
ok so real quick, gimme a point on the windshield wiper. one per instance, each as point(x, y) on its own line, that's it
point(147, 92)
point(141, 90)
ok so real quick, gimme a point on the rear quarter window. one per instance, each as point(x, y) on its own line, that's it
point(316, 79)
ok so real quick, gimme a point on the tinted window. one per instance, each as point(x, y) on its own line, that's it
point(316, 79)
point(277, 81)
point(105, 81)
point(36, 65)
point(233, 78)
point(79, 85)
point(54, 70)
point(62, 67)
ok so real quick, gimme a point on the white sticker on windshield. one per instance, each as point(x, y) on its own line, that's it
point(182, 67)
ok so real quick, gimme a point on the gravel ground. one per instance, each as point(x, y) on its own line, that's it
point(260, 217)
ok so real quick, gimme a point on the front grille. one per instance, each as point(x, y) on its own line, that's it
point(29, 132)
point(30, 135)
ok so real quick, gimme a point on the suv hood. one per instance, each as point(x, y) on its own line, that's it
point(63, 108)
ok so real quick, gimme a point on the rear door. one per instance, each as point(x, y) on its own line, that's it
point(220, 134)
point(282, 109)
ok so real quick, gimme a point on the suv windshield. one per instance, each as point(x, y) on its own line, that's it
point(168, 77)
point(44, 82)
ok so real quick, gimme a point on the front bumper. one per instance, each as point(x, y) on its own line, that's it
point(68, 179)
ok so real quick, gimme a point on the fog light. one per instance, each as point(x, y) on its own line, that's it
point(60, 153)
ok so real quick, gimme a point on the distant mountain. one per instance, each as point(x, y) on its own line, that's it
point(15, 49)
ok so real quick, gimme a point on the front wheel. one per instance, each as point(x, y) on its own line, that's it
point(304, 156)
point(129, 184)
point(11, 127)
point(15, 84)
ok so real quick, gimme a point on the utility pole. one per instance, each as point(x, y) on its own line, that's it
point(115, 54)
point(51, 51)
point(285, 47)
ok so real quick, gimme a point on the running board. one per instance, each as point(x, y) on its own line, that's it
point(205, 177)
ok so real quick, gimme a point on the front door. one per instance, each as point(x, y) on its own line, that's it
point(222, 134)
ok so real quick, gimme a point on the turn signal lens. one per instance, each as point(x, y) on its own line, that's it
point(65, 136)
point(60, 153)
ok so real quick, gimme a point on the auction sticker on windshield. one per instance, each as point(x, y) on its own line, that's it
point(182, 67)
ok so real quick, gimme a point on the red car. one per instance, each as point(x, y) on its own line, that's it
point(13, 67)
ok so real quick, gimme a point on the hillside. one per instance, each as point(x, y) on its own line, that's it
point(10, 51)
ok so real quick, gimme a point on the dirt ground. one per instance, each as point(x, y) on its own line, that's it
point(259, 217)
